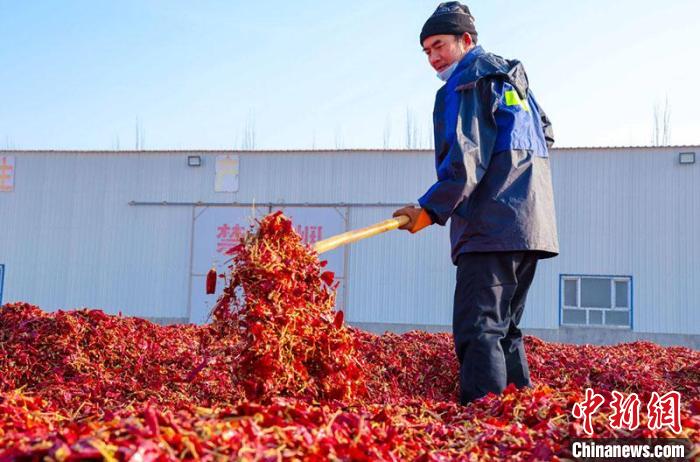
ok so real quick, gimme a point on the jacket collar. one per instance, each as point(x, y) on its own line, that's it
point(469, 58)
point(466, 60)
point(478, 64)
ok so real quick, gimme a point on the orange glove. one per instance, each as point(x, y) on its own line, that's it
point(418, 218)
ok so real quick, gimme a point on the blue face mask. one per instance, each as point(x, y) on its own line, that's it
point(444, 75)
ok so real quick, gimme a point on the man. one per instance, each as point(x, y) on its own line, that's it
point(494, 184)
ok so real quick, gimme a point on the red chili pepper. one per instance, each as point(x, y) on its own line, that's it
point(338, 320)
point(327, 277)
point(211, 281)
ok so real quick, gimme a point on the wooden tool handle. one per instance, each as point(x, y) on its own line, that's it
point(362, 233)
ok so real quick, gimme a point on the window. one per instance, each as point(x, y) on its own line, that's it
point(602, 301)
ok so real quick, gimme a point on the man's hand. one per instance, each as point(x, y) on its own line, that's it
point(419, 218)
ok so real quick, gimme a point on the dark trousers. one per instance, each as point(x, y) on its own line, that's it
point(489, 302)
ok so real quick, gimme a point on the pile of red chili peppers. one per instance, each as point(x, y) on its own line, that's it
point(279, 376)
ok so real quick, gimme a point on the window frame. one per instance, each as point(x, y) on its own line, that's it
point(612, 279)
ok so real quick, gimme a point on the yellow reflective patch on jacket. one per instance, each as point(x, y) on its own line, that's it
point(513, 99)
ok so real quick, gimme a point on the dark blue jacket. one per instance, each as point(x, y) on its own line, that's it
point(492, 160)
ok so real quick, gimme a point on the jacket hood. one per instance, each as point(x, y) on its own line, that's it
point(486, 64)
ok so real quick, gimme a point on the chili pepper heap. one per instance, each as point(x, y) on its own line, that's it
point(280, 301)
point(278, 375)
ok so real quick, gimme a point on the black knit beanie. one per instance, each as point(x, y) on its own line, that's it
point(451, 18)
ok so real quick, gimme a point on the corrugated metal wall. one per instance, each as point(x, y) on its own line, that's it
point(632, 212)
point(399, 277)
point(70, 237)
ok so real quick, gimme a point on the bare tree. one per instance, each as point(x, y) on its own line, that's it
point(661, 133)
point(413, 132)
point(429, 138)
point(115, 143)
point(339, 137)
point(313, 139)
point(387, 132)
point(139, 136)
point(666, 138)
point(249, 133)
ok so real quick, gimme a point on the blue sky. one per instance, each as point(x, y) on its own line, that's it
point(79, 74)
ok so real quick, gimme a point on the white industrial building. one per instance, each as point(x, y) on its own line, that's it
point(135, 232)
